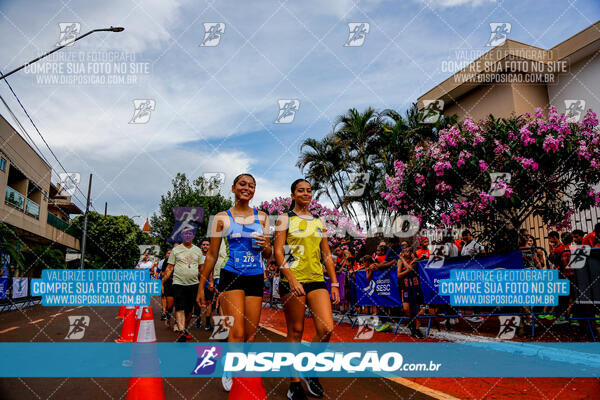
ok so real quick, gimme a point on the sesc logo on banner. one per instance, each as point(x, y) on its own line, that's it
point(19, 288)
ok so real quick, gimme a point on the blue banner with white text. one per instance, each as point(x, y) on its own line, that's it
point(433, 270)
point(354, 359)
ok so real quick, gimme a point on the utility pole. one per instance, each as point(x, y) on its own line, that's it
point(87, 209)
point(105, 207)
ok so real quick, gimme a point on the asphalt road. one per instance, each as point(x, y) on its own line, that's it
point(51, 324)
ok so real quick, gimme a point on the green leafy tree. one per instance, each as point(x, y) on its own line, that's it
point(186, 194)
point(364, 144)
point(44, 257)
point(112, 241)
point(8, 244)
point(494, 174)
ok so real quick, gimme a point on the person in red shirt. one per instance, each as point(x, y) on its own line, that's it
point(593, 239)
point(423, 250)
point(379, 255)
point(560, 257)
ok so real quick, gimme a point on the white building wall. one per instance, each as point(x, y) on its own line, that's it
point(581, 82)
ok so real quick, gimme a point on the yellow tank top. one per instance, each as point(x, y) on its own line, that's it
point(303, 252)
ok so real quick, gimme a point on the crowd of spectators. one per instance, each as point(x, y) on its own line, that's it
point(401, 257)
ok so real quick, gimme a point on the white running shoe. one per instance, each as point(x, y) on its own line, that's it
point(227, 382)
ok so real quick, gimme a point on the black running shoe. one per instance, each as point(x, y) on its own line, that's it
point(184, 336)
point(163, 317)
point(418, 334)
point(314, 387)
point(296, 391)
point(208, 327)
point(198, 323)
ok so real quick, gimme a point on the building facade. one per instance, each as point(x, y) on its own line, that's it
point(563, 76)
point(34, 208)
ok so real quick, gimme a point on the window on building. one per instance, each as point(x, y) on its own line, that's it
point(2, 164)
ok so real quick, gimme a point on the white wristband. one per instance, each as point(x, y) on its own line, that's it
point(337, 285)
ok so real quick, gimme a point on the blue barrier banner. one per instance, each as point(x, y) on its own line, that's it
point(380, 290)
point(587, 276)
point(3, 288)
point(432, 271)
point(353, 359)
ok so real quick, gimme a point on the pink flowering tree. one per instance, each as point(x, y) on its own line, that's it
point(494, 174)
point(341, 229)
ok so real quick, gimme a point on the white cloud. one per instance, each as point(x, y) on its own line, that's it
point(455, 3)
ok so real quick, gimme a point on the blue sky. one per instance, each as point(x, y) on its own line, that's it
point(215, 106)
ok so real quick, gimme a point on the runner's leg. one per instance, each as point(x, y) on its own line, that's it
point(320, 305)
point(233, 304)
point(293, 307)
point(253, 307)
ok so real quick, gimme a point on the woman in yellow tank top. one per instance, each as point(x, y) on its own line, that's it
point(302, 281)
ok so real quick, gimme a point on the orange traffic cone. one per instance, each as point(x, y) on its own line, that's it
point(247, 388)
point(150, 388)
point(128, 327)
point(146, 332)
point(121, 313)
point(145, 360)
point(138, 318)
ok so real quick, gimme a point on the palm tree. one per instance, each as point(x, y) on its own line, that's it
point(364, 142)
point(321, 162)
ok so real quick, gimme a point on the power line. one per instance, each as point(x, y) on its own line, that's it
point(44, 140)
point(23, 129)
point(20, 125)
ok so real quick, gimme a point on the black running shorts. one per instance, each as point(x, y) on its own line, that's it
point(284, 287)
point(185, 297)
point(252, 285)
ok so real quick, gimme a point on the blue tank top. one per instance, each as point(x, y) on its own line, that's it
point(242, 257)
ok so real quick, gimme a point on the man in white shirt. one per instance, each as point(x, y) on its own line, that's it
point(145, 263)
point(470, 246)
point(184, 263)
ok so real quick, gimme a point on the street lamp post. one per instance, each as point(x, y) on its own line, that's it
point(111, 29)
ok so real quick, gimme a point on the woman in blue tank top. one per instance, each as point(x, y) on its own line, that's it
point(241, 283)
